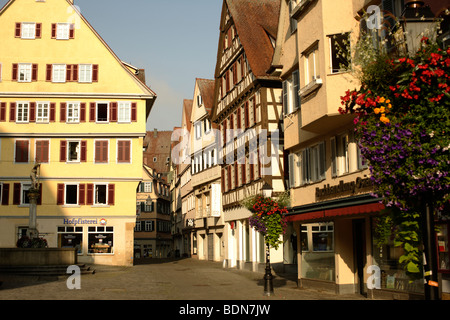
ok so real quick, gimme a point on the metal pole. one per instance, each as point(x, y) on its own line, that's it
point(268, 285)
point(430, 267)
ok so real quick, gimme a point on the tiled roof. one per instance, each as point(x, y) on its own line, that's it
point(187, 110)
point(206, 88)
point(254, 21)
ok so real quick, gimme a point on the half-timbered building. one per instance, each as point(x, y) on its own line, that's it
point(247, 109)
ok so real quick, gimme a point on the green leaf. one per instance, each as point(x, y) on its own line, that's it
point(412, 267)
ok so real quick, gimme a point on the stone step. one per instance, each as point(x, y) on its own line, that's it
point(53, 270)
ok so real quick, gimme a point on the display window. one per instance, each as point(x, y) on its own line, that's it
point(101, 240)
point(71, 237)
point(317, 241)
point(386, 256)
point(442, 247)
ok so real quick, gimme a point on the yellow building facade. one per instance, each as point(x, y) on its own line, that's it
point(69, 103)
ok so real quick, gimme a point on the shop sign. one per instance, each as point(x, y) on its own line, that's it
point(76, 221)
point(351, 187)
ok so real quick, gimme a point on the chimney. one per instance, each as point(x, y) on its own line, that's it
point(155, 133)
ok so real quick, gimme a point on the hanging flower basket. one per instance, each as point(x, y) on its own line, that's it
point(268, 217)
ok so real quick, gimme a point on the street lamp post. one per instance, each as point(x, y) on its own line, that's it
point(268, 277)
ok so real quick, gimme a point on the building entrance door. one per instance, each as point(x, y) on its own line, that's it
point(359, 245)
point(210, 246)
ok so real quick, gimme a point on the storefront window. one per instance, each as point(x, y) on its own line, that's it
point(101, 239)
point(393, 276)
point(317, 242)
point(71, 237)
point(443, 249)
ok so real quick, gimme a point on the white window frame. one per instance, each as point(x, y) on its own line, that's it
point(96, 195)
point(62, 31)
point(24, 69)
point(291, 95)
point(85, 73)
point(117, 151)
point(78, 160)
point(340, 159)
point(77, 194)
point(35, 149)
point(107, 112)
point(42, 112)
point(198, 130)
point(124, 112)
point(313, 164)
point(28, 30)
point(331, 43)
point(109, 146)
point(24, 186)
point(59, 73)
point(21, 107)
point(75, 116)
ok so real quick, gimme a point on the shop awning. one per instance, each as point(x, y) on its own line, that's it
point(335, 208)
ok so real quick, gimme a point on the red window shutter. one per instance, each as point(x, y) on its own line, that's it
point(52, 112)
point(75, 72)
point(113, 112)
point(72, 31)
point(224, 132)
point(83, 112)
point(15, 71)
point(254, 109)
point(236, 174)
point(18, 30)
point(60, 194)
point(53, 30)
point(32, 111)
point(3, 111)
point(22, 151)
point(134, 111)
point(12, 112)
point(95, 73)
point(92, 112)
point(246, 116)
point(34, 73)
point(124, 151)
point(101, 151)
point(38, 30)
point(243, 173)
point(42, 151)
point(69, 72)
point(83, 156)
point(48, 73)
point(39, 199)
point(89, 194)
point(5, 194)
point(82, 195)
point(63, 151)
point(111, 194)
point(62, 114)
point(16, 193)
point(252, 172)
point(229, 177)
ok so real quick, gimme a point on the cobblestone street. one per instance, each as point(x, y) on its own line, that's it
point(183, 279)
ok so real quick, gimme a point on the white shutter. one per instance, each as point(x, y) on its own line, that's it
point(322, 161)
point(334, 169)
point(292, 169)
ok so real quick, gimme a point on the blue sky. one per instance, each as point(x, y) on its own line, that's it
point(174, 41)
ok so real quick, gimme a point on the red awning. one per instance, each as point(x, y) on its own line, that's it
point(338, 212)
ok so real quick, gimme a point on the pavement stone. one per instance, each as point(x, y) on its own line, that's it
point(165, 279)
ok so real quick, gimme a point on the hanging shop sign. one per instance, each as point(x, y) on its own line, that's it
point(352, 187)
